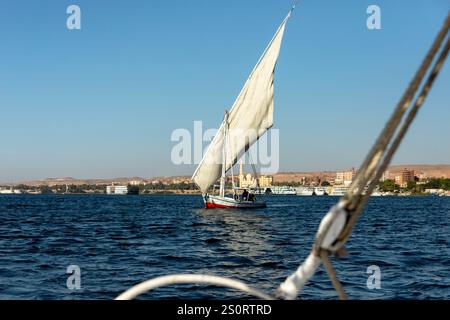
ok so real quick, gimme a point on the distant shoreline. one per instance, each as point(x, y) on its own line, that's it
point(431, 170)
point(103, 194)
point(196, 194)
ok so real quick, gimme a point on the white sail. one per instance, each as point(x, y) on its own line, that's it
point(249, 118)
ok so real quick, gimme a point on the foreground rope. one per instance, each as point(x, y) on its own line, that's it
point(190, 278)
point(332, 275)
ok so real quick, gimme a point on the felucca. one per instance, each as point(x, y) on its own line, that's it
point(250, 117)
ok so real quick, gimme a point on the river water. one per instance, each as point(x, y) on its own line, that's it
point(119, 241)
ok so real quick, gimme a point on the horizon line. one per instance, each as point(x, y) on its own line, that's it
point(188, 175)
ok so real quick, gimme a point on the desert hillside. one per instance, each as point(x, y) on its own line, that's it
point(429, 170)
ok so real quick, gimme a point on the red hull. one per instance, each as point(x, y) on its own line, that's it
point(209, 205)
point(230, 203)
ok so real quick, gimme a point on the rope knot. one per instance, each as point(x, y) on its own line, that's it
point(330, 229)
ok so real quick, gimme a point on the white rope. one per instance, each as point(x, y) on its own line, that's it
point(290, 288)
point(194, 279)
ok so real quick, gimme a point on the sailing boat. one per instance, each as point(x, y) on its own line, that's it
point(250, 117)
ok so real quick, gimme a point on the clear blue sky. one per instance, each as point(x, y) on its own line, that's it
point(102, 101)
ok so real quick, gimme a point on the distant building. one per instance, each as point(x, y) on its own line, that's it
point(303, 181)
point(248, 181)
point(407, 175)
point(404, 178)
point(422, 176)
point(245, 181)
point(136, 182)
point(265, 181)
point(345, 177)
point(386, 176)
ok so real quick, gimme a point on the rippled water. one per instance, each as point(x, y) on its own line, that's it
point(118, 241)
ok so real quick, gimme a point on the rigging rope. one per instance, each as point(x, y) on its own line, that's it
point(252, 163)
point(332, 274)
point(337, 225)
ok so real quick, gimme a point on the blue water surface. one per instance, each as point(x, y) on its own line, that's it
point(119, 241)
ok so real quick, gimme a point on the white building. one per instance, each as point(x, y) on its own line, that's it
point(136, 182)
point(345, 177)
point(386, 176)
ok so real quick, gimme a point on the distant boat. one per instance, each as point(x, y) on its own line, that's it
point(320, 191)
point(280, 190)
point(122, 190)
point(251, 112)
point(305, 191)
point(6, 191)
point(338, 191)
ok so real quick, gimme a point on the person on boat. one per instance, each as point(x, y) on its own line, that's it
point(236, 197)
point(245, 195)
point(251, 197)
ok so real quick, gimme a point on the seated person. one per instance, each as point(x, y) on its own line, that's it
point(251, 197)
point(245, 195)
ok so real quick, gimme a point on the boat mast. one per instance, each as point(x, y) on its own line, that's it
point(233, 187)
point(224, 156)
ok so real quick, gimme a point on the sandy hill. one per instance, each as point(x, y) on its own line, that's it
point(429, 170)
